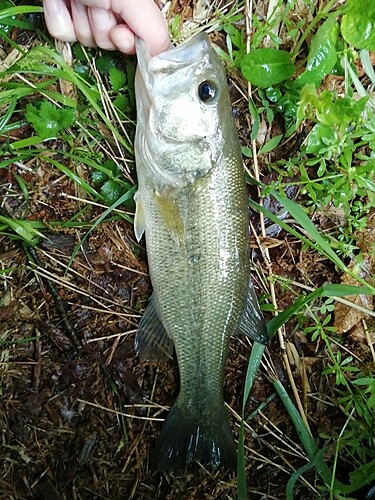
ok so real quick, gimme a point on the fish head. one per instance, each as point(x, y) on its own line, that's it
point(180, 94)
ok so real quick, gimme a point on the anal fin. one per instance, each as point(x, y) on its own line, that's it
point(252, 322)
point(152, 341)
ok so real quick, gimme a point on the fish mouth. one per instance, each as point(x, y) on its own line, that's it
point(182, 56)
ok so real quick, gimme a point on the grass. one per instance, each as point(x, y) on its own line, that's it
point(303, 93)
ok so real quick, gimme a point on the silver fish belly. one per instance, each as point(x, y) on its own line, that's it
point(191, 205)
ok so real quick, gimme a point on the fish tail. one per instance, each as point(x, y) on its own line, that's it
point(189, 436)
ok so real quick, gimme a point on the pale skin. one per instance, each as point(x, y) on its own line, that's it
point(108, 24)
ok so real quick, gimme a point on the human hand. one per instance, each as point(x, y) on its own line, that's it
point(108, 24)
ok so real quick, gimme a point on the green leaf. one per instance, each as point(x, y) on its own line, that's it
point(117, 78)
point(319, 137)
point(26, 230)
point(247, 152)
point(105, 63)
point(363, 475)
point(271, 144)
point(98, 177)
point(341, 111)
point(15, 11)
point(48, 120)
point(122, 103)
point(266, 67)
point(358, 24)
point(304, 434)
point(252, 369)
point(111, 192)
point(329, 109)
point(322, 54)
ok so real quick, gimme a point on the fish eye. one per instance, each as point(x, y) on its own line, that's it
point(207, 91)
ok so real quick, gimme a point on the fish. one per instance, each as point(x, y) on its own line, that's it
point(191, 205)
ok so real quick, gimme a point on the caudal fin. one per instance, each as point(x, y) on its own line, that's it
point(187, 437)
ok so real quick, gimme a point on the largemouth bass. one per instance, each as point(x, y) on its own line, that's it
point(191, 205)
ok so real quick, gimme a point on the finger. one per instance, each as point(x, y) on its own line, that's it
point(58, 20)
point(82, 24)
point(100, 4)
point(101, 22)
point(123, 39)
point(145, 19)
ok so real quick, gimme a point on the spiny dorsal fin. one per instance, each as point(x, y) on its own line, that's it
point(252, 322)
point(152, 341)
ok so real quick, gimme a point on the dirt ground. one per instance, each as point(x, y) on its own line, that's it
point(79, 413)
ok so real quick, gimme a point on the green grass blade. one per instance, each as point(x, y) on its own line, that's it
point(319, 244)
point(66, 72)
point(294, 478)
point(303, 434)
point(315, 455)
point(16, 11)
point(241, 470)
point(72, 176)
point(26, 230)
point(327, 290)
point(303, 220)
point(252, 369)
point(129, 194)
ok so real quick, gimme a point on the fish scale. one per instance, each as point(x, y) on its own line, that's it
point(195, 219)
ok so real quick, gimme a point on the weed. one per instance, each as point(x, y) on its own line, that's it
point(335, 168)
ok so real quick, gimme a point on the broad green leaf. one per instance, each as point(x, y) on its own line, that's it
point(319, 137)
point(117, 78)
point(266, 67)
point(122, 103)
point(111, 191)
point(98, 177)
point(339, 111)
point(105, 63)
point(48, 120)
point(309, 100)
point(363, 475)
point(322, 54)
point(358, 24)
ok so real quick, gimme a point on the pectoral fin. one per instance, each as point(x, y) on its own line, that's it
point(139, 218)
point(252, 322)
point(170, 214)
point(152, 341)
